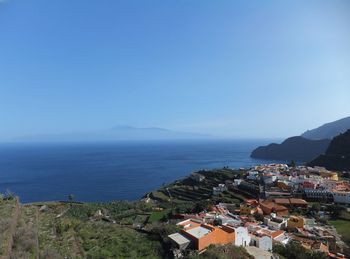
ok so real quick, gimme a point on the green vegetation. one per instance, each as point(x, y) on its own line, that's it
point(343, 228)
point(101, 240)
point(222, 252)
point(158, 216)
point(25, 240)
point(73, 230)
point(8, 218)
point(294, 250)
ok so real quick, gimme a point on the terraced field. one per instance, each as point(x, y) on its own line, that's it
point(188, 190)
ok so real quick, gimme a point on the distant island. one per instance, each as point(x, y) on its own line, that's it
point(306, 147)
point(120, 132)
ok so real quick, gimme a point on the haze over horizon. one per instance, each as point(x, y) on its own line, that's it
point(228, 69)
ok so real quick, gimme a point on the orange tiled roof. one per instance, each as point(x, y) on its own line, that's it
point(282, 201)
point(297, 201)
point(272, 234)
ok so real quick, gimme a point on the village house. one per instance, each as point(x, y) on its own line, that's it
point(329, 175)
point(202, 235)
point(219, 189)
point(253, 175)
point(261, 241)
point(242, 237)
point(275, 222)
point(180, 241)
point(237, 182)
point(269, 178)
point(269, 207)
point(318, 195)
point(284, 185)
point(291, 202)
point(278, 236)
point(248, 210)
point(295, 222)
point(341, 197)
point(197, 177)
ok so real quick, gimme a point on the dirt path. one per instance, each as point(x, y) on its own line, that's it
point(78, 248)
point(37, 232)
point(12, 230)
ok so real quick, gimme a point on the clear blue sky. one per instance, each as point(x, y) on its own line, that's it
point(228, 68)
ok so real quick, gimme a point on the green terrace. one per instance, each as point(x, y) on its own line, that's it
point(188, 190)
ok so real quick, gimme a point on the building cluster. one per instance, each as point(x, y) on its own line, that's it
point(227, 224)
point(281, 181)
point(261, 222)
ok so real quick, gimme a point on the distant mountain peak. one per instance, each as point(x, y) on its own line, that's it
point(328, 130)
point(306, 147)
point(128, 127)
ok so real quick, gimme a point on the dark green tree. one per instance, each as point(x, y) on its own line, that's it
point(71, 197)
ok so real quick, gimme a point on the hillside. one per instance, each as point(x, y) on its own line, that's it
point(328, 130)
point(306, 147)
point(337, 156)
point(75, 230)
point(294, 148)
point(117, 229)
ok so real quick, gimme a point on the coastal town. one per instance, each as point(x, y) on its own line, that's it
point(267, 211)
point(280, 204)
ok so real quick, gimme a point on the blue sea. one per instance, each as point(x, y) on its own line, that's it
point(112, 171)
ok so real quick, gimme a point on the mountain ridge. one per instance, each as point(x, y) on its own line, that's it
point(289, 149)
point(328, 130)
point(305, 147)
point(337, 156)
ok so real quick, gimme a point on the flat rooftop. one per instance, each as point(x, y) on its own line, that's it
point(179, 239)
point(198, 232)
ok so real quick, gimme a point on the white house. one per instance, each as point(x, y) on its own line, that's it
point(221, 188)
point(261, 241)
point(275, 223)
point(237, 182)
point(242, 237)
point(341, 197)
point(197, 177)
point(253, 175)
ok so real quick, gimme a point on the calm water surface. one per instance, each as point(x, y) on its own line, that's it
point(111, 171)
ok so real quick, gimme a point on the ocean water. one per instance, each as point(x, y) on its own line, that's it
point(112, 171)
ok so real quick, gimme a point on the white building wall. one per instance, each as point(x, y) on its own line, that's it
point(264, 242)
point(242, 237)
point(341, 197)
